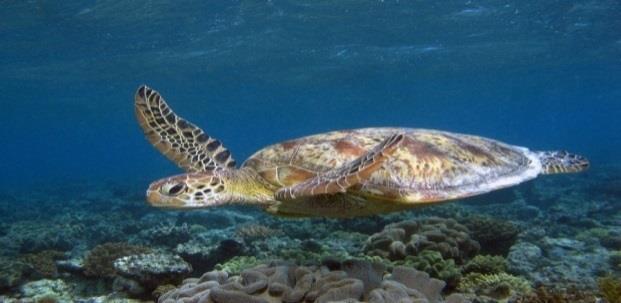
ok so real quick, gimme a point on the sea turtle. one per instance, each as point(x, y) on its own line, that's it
point(344, 173)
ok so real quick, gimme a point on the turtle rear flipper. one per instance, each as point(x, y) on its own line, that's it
point(181, 141)
point(558, 162)
point(338, 180)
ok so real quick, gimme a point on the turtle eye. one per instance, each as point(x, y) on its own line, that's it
point(172, 189)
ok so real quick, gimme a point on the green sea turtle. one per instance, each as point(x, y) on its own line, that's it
point(343, 173)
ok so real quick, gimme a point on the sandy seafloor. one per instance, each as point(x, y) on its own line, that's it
point(554, 239)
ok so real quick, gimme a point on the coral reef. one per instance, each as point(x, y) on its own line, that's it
point(611, 241)
point(166, 234)
point(610, 288)
point(254, 231)
point(237, 264)
point(204, 257)
point(47, 291)
point(301, 253)
point(99, 262)
point(446, 236)
point(497, 286)
point(432, 263)
point(486, 264)
point(12, 272)
point(615, 260)
point(524, 258)
point(140, 274)
point(220, 219)
point(43, 263)
point(568, 237)
point(494, 236)
point(355, 281)
point(544, 295)
point(35, 236)
point(559, 261)
point(162, 289)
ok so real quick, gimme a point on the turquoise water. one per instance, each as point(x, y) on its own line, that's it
point(541, 74)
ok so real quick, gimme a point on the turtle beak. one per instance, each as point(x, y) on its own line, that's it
point(153, 197)
point(156, 199)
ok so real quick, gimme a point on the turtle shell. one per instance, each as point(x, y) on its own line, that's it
point(428, 166)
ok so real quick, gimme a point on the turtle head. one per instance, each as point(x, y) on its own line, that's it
point(207, 189)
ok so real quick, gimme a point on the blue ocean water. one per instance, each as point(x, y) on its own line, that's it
point(542, 74)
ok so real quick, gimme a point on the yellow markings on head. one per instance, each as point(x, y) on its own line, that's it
point(203, 189)
point(246, 187)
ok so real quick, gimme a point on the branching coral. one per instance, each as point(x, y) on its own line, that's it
point(498, 286)
point(34, 236)
point(99, 262)
point(253, 232)
point(592, 234)
point(544, 295)
point(237, 264)
point(167, 234)
point(486, 264)
point(610, 289)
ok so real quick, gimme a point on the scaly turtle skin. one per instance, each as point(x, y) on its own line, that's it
point(337, 174)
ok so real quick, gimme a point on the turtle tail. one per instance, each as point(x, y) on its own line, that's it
point(559, 162)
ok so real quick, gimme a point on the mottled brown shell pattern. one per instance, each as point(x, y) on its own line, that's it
point(427, 166)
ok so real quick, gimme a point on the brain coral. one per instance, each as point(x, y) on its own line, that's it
point(354, 281)
point(407, 238)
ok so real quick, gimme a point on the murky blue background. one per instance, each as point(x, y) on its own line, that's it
point(543, 74)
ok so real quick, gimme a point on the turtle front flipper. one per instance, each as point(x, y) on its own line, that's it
point(338, 180)
point(179, 140)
